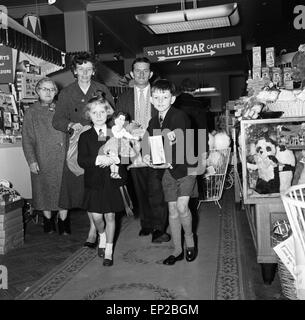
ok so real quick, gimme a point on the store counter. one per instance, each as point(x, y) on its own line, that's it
point(14, 168)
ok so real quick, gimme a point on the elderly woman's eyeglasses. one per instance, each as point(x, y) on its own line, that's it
point(44, 89)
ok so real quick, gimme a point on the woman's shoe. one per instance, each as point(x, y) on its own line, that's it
point(61, 227)
point(48, 225)
point(172, 259)
point(67, 225)
point(191, 254)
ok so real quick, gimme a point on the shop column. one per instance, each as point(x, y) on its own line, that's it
point(78, 31)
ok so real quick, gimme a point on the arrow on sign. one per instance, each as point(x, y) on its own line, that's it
point(211, 53)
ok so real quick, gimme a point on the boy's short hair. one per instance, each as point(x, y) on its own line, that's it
point(163, 85)
point(96, 100)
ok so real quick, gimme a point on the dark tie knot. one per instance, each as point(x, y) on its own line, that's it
point(161, 120)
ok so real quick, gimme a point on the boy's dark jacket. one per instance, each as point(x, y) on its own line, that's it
point(174, 119)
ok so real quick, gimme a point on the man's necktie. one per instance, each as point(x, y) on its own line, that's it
point(142, 101)
point(101, 136)
point(161, 121)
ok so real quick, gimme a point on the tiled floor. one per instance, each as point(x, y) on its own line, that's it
point(42, 252)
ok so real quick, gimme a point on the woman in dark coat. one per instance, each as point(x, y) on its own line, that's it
point(44, 150)
point(69, 117)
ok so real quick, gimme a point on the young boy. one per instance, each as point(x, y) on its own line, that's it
point(178, 185)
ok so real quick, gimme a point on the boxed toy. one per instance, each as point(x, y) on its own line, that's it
point(266, 75)
point(270, 57)
point(256, 73)
point(277, 76)
point(287, 78)
point(257, 57)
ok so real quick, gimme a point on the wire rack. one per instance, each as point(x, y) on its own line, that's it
point(214, 178)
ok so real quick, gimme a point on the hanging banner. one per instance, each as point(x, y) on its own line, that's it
point(196, 49)
point(6, 65)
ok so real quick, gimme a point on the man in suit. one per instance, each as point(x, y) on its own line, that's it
point(147, 185)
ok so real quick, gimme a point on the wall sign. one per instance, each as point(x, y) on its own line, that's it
point(197, 49)
point(6, 64)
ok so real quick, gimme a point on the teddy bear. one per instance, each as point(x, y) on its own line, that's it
point(266, 164)
point(218, 143)
point(286, 161)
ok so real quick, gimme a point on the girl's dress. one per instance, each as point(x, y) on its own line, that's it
point(102, 193)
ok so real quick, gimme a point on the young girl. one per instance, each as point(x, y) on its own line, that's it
point(119, 143)
point(102, 197)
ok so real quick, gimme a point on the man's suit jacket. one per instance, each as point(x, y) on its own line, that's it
point(126, 103)
point(177, 121)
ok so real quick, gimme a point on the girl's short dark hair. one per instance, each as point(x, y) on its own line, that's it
point(164, 85)
point(82, 57)
point(97, 100)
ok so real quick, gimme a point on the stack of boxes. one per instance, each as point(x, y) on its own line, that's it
point(11, 226)
point(262, 76)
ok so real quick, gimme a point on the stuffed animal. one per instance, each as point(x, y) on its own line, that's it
point(286, 161)
point(218, 143)
point(266, 164)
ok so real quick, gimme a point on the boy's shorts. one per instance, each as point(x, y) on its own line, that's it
point(173, 189)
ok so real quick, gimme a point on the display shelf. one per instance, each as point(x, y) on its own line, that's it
point(251, 132)
point(263, 209)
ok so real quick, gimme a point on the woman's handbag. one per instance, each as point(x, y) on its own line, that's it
point(73, 152)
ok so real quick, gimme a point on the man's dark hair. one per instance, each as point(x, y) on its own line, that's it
point(140, 59)
point(82, 57)
point(164, 85)
point(188, 85)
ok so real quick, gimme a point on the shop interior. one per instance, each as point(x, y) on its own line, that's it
point(248, 76)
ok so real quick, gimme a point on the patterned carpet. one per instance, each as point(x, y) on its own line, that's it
point(138, 272)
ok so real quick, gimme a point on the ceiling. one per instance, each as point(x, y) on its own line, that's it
point(116, 31)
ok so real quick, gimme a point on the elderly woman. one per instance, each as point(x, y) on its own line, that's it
point(69, 116)
point(44, 150)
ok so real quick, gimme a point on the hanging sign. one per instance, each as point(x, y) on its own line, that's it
point(196, 49)
point(6, 65)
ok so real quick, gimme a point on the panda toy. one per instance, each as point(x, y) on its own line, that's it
point(267, 167)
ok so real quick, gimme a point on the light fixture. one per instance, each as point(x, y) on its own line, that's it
point(192, 19)
point(50, 2)
point(206, 92)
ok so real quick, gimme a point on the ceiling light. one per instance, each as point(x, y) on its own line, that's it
point(192, 19)
point(50, 2)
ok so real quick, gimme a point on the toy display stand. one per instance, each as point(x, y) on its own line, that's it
point(213, 181)
point(263, 210)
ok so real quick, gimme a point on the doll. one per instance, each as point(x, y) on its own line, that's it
point(119, 143)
